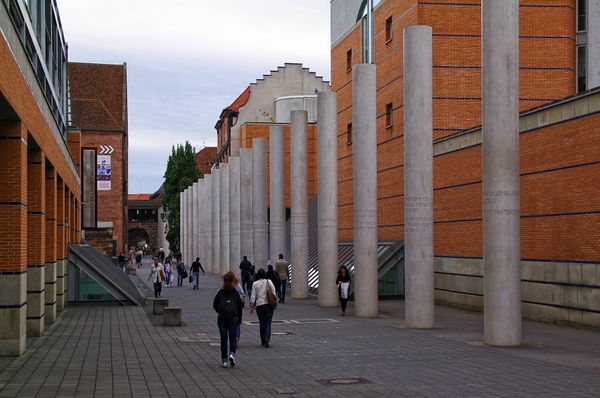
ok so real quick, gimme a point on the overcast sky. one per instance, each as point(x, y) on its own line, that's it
point(189, 59)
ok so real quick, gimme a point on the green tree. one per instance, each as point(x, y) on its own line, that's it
point(181, 173)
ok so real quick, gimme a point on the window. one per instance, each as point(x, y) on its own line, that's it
point(581, 15)
point(389, 109)
point(389, 33)
point(349, 61)
point(349, 134)
point(581, 68)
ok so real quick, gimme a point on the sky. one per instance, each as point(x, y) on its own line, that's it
point(189, 59)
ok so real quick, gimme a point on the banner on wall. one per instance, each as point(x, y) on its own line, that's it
point(103, 172)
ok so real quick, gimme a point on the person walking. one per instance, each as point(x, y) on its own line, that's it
point(157, 275)
point(250, 278)
point(245, 267)
point(274, 277)
point(181, 271)
point(281, 266)
point(343, 282)
point(122, 260)
point(195, 270)
point(264, 300)
point(240, 289)
point(228, 305)
point(168, 272)
point(138, 259)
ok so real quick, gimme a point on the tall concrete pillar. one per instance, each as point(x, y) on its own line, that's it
point(277, 235)
point(181, 221)
point(259, 201)
point(418, 177)
point(200, 224)
point(224, 204)
point(36, 242)
point(327, 201)
point(500, 147)
point(207, 221)
point(51, 235)
point(593, 44)
point(246, 215)
point(299, 203)
point(194, 226)
point(216, 221)
point(235, 244)
point(364, 139)
point(183, 243)
point(190, 241)
point(13, 235)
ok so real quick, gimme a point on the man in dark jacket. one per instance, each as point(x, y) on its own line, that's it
point(245, 267)
point(274, 277)
point(195, 269)
point(228, 304)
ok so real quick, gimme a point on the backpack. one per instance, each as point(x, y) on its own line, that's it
point(228, 306)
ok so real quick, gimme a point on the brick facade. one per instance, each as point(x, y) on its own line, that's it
point(99, 112)
point(205, 158)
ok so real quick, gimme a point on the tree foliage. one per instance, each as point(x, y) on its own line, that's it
point(181, 173)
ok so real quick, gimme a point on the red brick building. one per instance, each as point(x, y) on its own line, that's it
point(40, 195)
point(99, 112)
point(205, 158)
point(560, 152)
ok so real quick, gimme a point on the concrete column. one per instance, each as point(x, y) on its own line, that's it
point(216, 221)
point(207, 221)
point(51, 235)
point(61, 247)
point(183, 236)
point(224, 204)
point(259, 201)
point(246, 217)
point(199, 224)
point(327, 201)
point(13, 235)
point(364, 139)
point(36, 242)
point(190, 224)
point(299, 203)
point(181, 221)
point(194, 225)
point(418, 177)
point(500, 148)
point(235, 243)
point(593, 44)
point(277, 235)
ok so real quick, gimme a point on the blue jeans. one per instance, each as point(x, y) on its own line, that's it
point(179, 278)
point(282, 291)
point(195, 279)
point(168, 280)
point(227, 329)
point(157, 288)
point(265, 316)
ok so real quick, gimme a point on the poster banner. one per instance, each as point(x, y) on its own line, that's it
point(103, 169)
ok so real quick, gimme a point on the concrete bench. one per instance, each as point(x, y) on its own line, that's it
point(159, 304)
point(172, 316)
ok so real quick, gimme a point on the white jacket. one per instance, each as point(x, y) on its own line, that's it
point(259, 292)
point(155, 273)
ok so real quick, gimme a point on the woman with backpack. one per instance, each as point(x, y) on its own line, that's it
point(228, 305)
point(264, 299)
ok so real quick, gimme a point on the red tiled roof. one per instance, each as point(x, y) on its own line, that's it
point(241, 100)
point(139, 196)
point(97, 96)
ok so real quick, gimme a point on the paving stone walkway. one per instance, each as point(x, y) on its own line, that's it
point(114, 351)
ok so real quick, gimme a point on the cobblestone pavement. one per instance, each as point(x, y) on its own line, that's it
point(105, 351)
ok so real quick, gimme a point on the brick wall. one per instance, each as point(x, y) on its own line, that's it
point(547, 60)
point(205, 158)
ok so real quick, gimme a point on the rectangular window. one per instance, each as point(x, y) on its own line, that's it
point(349, 60)
point(581, 15)
point(349, 134)
point(389, 117)
point(389, 33)
point(581, 68)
